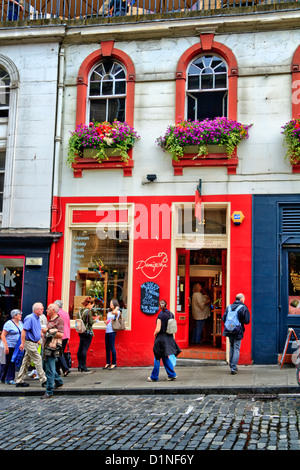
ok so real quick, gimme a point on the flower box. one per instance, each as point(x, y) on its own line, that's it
point(296, 168)
point(102, 146)
point(109, 152)
point(212, 159)
point(204, 143)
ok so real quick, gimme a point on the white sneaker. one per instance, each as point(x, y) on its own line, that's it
point(30, 374)
point(171, 378)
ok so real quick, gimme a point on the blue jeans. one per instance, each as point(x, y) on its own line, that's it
point(197, 333)
point(234, 353)
point(168, 367)
point(110, 348)
point(52, 376)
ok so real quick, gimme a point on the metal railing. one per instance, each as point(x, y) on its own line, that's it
point(14, 10)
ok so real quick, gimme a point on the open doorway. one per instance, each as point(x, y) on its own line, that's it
point(206, 277)
point(205, 268)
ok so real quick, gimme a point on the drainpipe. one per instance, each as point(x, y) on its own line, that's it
point(55, 213)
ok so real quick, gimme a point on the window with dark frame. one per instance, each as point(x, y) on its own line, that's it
point(4, 92)
point(107, 92)
point(207, 88)
point(2, 171)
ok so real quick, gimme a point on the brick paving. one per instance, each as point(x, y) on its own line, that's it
point(169, 423)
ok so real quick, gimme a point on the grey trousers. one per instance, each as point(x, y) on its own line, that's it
point(31, 355)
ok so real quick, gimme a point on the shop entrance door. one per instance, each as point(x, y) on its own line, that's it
point(11, 286)
point(290, 295)
point(182, 297)
point(207, 267)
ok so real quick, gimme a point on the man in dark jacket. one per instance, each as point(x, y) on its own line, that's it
point(236, 334)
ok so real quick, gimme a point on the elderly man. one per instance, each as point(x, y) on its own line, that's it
point(53, 335)
point(61, 362)
point(30, 339)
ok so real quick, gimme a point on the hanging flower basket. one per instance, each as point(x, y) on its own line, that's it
point(221, 132)
point(291, 132)
point(101, 140)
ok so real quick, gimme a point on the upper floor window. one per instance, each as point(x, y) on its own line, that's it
point(207, 88)
point(107, 92)
point(4, 92)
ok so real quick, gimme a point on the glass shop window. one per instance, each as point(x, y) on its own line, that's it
point(11, 283)
point(294, 283)
point(99, 268)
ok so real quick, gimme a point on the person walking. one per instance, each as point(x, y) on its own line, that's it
point(235, 317)
point(164, 345)
point(110, 335)
point(61, 361)
point(30, 338)
point(200, 311)
point(52, 348)
point(85, 338)
point(10, 335)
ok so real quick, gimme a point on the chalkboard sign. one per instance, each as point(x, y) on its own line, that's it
point(149, 298)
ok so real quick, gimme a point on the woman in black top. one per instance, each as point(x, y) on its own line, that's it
point(164, 345)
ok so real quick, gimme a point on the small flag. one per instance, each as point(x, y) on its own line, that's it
point(198, 206)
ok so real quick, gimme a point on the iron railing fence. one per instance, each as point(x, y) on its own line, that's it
point(14, 10)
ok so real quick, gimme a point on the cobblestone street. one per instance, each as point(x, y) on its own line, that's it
point(171, 423)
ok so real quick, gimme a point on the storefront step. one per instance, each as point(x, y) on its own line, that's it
point(203, 353)
point(201, 362)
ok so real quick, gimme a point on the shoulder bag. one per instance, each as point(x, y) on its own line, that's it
point(119, 323)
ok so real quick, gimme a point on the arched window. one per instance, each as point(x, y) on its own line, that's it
point(207, 88)
point(4, 92)
point(107, 92)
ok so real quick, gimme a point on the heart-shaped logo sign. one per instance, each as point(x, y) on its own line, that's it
point(153, 266)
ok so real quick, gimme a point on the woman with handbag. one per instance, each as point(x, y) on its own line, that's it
point(86, 337)
point(10, 336)
point(110, 335)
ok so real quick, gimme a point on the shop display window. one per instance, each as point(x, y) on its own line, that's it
point(294, 283)
point(99, 268)
point(11, 285)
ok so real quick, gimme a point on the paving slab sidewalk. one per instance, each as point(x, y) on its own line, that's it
point(195, 379)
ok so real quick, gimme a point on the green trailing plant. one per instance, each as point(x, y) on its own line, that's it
point(291, 132)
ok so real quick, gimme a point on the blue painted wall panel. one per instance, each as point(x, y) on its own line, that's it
point(265, 274)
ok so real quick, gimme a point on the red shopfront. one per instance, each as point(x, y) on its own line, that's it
point(140, 250)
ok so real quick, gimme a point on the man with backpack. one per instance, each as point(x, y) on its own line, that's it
point(235, 317)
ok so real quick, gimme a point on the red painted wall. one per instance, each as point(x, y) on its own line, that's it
point(134, 347)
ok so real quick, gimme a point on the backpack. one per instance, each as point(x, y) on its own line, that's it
point(232, 323)
point(79, 323)
point(171, 326)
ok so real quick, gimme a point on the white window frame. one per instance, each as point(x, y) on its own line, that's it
point(71, 226)
point(102, 97)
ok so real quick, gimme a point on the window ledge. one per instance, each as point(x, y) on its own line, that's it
point(210, 160)
point(113, 162)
